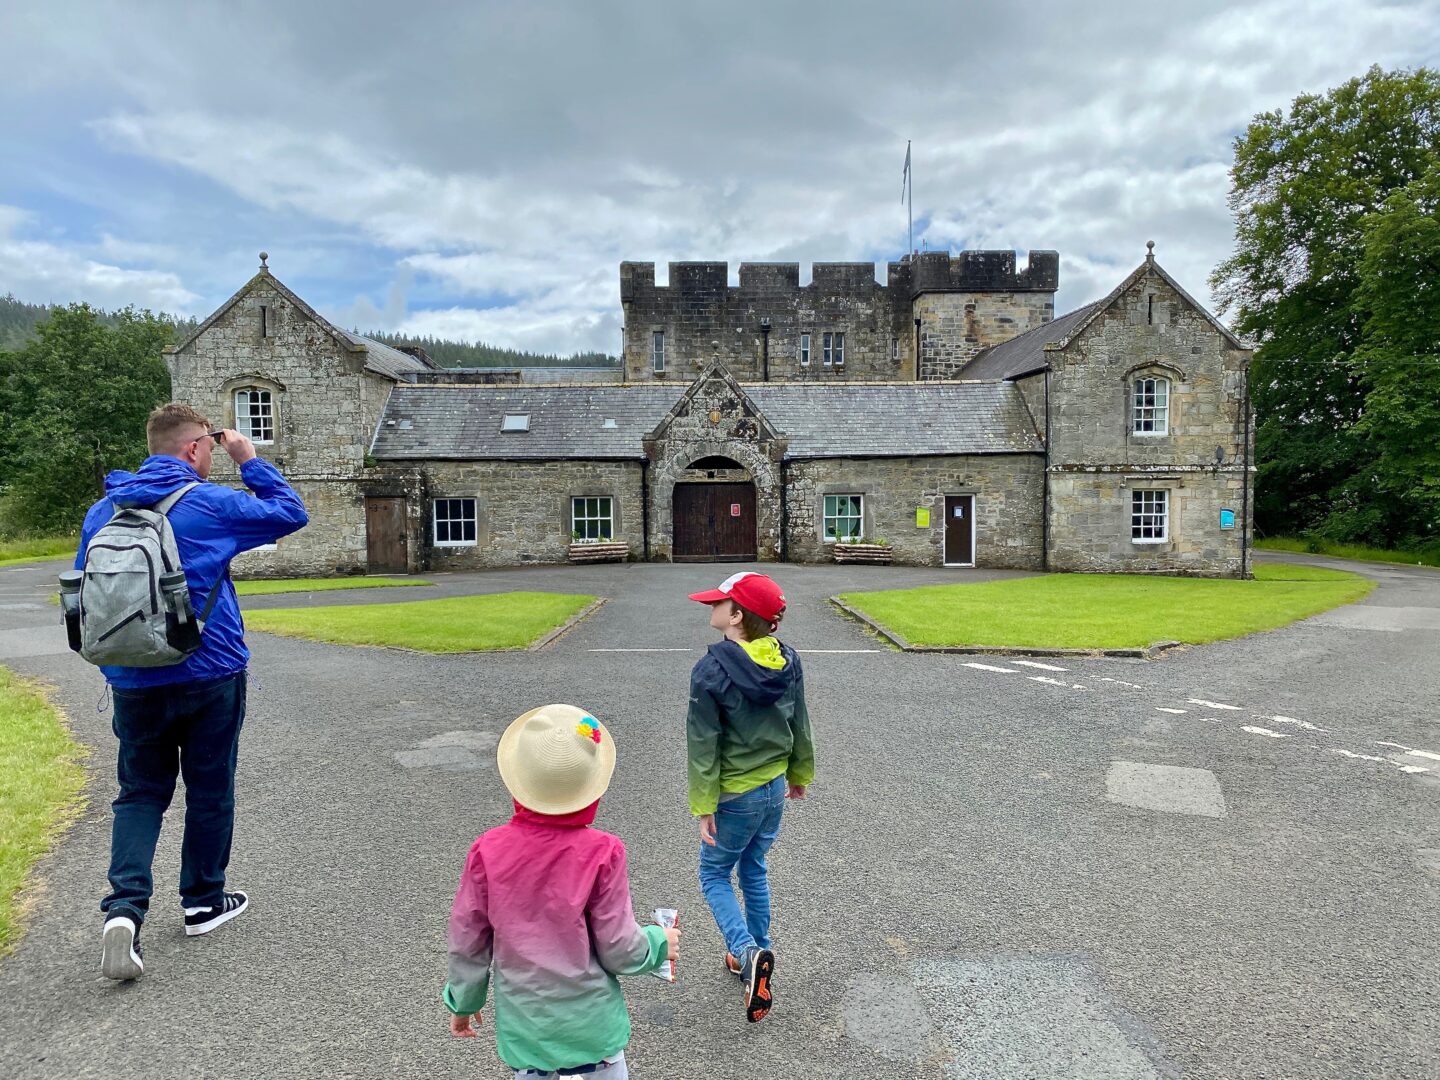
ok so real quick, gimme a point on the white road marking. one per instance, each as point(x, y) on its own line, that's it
point(1176, 712)
point(989, 667)
point(1209, 719)
point(1120, 682)
point(1037, 664)
point(1290, 720)
point(1215, 705)
point(1077, 686)
point(1265, 731)
point(1424, 754)
point(1396, 745)
point(1047, 680)
point(1362, 757)
point(1413, 768)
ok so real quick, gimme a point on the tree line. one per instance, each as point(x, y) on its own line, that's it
point(1335, 274)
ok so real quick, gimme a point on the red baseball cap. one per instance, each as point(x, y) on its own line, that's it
point(756, 593)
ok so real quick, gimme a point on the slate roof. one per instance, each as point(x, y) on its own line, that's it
point(1025, 353)
point(386, 359)
point(839, 420)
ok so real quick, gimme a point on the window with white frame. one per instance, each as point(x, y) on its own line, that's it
point(894, 348)
point(591, 518)
point(515, 421)
point(844, 517)
point(1149, 517)
point(834, 350)
point(1150, 405)
point(804, 350)
point(657, 350)
point(255, 414)
point(839, 350)
point(454, 522)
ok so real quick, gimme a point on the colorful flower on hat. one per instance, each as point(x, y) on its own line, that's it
point(588, 728)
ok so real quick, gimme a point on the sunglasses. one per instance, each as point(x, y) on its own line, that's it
point(218, 436)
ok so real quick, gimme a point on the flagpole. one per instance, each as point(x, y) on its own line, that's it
point(907, 188)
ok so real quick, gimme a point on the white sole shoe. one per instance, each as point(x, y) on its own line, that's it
point(234, 904)
point(119, 958)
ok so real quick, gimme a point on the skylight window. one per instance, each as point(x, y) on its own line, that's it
point(516, 421)
point(609, 423)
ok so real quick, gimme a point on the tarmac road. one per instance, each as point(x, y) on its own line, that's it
point(1225, 863)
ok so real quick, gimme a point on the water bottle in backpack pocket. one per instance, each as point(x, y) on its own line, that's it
point(131, 606)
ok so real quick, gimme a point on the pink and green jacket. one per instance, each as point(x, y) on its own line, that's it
point(544, 908)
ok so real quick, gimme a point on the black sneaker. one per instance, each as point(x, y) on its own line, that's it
point(120, 953)
point(201, 920)
point(759, 967)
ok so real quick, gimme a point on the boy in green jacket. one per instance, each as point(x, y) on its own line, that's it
point(749, 749)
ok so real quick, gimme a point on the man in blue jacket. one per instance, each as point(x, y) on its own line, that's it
point(185, 718)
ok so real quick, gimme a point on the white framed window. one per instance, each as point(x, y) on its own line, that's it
point(828, 349)
point(1150, 406)
point(844, 517)
point(657, 350)
point(839, 350)
point(894, 348)
point(255, 415)
point(1149, 517)
point(804, 350)
point(454, 522)
point(592, 518)
point(515, 421)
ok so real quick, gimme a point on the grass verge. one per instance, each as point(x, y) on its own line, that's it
point(46, 547)
point(1108, 611)
point(40, 780)
point(456, 624)
point(1427, 556)
point(269, 587)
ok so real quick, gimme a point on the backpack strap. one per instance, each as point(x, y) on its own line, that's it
point(165, 505)
point(214, 595)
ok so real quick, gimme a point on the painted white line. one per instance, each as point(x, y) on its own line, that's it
point(1424, 754)
point(1396, 745)
point(1266, 731)
point(1209, 719)
point(1077, 686)
point(641, 650)
point(1362, 757)
point(1215, 705)
point(989, 667)
point(1121, 682)
point(832, 651)
point(1413, 768)
point(1037, 664)
point(1176, 712)
point(1047, 680)
point(1289, 720)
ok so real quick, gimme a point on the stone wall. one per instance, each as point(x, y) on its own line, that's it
point(955, 326)
point(522, 509)
point(1096, 459)
point(1007, 490)
point(333, 542)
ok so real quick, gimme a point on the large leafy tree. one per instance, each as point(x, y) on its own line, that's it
point(75, 400)
point(1310, 191)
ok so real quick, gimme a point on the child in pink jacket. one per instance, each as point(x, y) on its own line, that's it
point(544, 909)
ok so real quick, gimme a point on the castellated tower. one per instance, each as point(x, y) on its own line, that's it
point(933, 314)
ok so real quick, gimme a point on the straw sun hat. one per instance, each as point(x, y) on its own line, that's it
point(556, 759)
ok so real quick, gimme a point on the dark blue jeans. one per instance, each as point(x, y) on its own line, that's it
point(745, 827)
point(184, 729)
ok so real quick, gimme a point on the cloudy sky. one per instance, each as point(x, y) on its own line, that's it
point(479, 171)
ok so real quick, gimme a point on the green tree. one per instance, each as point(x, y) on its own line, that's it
point(75, 401)
point(1308, 187)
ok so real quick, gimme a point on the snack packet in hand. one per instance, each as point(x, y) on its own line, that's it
point(669, 918)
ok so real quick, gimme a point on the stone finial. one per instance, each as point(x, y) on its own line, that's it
point(1150, 250)
point(263, 256)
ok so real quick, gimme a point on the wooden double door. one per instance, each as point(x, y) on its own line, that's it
point(713, 523)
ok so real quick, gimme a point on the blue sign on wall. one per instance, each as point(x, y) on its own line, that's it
point(1227, 519)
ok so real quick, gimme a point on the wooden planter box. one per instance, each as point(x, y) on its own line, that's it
point(588, 553)
point(863, 553)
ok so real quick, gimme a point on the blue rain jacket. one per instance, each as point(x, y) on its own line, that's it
point(212, 525)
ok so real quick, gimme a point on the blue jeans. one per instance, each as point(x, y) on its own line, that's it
point(182, 729)
point(745, 827)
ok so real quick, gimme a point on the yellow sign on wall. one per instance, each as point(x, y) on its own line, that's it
point(922, 517)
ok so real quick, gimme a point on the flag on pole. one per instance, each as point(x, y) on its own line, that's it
point(905, 177)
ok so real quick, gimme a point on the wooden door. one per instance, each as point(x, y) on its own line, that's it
point(386, 536)
point(959, 530)
point(713, 523)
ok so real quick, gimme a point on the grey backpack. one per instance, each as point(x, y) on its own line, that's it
point(130, 606)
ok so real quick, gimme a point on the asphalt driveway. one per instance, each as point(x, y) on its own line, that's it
point(1225, 863)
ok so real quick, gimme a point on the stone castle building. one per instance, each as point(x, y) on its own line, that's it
point(946, 412)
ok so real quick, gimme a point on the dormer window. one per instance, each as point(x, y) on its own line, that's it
point(515, 421)
point(1150, 406)
point(255, 414)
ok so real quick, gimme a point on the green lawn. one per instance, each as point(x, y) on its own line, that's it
point(458, 624)
point(40, 778)
point(1427, 556)
point(1108, 611)
point(285, 585)
point(46, 547)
